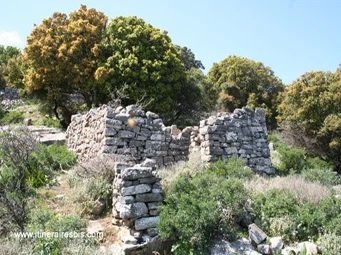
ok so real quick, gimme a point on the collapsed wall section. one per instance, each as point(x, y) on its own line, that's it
point(242, 133)
point(129, 132)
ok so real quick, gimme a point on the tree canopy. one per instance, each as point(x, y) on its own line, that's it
point(241, 81)
point(61, 55)
point(143, 58)
point(313, 104)
point(188, 58)
point(7, 53)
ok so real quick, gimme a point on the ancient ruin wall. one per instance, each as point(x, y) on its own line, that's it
point(130, 132)
point(137, 197)
point(138, 135)
point(242, 133)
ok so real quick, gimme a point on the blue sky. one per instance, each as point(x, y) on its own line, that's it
point(290, 36)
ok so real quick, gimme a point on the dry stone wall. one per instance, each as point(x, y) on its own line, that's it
point(137, 196)
point(242, 133)
point(138, 135)
point(130, 132)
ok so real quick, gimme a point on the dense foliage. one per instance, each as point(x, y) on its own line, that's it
point(312, 107)
point(280, 214)
point(7, 54)
point(61, 55)
point(201, 207)
point(143, 58)
point(241, 81)
point(25, 165)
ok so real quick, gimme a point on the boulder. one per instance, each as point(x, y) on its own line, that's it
point(256, 235)
point(276, 244)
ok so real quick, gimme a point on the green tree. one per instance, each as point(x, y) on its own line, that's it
point(14, 71)
point(197, 97)
point(6, 54)
point(61, 55)
point(312, 104)
point(188, 58)
point(142, 58)
point(241, 81)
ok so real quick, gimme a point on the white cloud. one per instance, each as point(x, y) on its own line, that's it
point(10, 38)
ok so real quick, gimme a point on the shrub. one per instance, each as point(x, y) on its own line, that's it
point(2, 113)
point(87, 192)
point(170, 174)
point(330, 244)
point(46, 221)
point(233, 167)
point(12, 117)
point(291, 159)
point(16, 146)
point(309, 221)
point(274, 203)
point(280, 214)
point(325, 176)
point(60, 157)
point(200, 207)
point(51, 122)
point(92, 182)
point(47, 159)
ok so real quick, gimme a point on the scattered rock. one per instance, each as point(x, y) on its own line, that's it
point(98, 207)
point(264, 249)
point(276, 244)
point(240, 247)
point(256, 234)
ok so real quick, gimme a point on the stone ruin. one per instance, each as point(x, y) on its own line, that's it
point(9, 97)
point(242, 133)
point(146, 144)
point(130, 132)
point(138, 135)
point(137, 196)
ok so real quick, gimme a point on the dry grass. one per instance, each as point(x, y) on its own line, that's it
point(302, 189)
point(169, 174)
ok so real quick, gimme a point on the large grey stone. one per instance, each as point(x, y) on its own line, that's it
point(131, 211)
point(256, 234)
point(134, 173)
point(149, 197)
point(145, 223)
point(133, 190)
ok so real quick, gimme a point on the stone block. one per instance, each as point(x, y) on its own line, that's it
point(133, 190)
point(147, 222)
point(149, 197)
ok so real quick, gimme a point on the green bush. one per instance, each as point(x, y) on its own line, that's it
point(42, 220)
point(16, 146)
point(12, 117)
point(88, 191)
point(330, 244)
point(325, 176)
point(55, 156)
point(45, 160)
point(279, 213)
point(292, 160)
point(309, 220)
point(51, 122)
point(197, 209)
point(271, 206)
point(233, 167)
